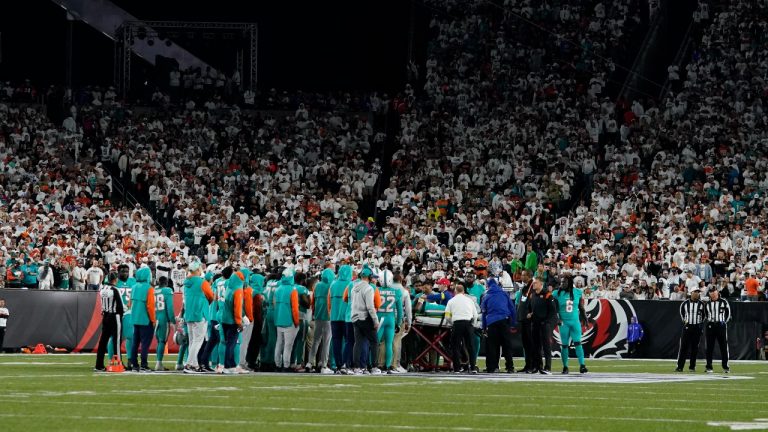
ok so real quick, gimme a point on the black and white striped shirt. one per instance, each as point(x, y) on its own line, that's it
point(693, 312)
point(718, 311)
point(111, 302)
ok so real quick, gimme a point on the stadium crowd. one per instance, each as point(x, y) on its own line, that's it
point(516, 159)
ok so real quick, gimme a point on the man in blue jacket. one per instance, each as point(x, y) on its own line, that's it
point(498, 313)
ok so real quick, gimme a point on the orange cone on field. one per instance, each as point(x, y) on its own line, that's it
point(115, 365)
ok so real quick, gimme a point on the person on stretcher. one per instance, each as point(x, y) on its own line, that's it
point(433, 303)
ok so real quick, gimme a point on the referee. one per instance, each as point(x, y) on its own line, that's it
point(718, 315)
point(693, 313)
point(112, 317)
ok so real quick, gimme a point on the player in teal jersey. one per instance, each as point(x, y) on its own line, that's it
point(124, 285)
point(269, 330)
point(390, 315)
point(212, 336)
point(219, 347)
point(165, 318)
point(570, 307)
point(342, 348)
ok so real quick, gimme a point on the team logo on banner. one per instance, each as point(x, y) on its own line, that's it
point(605, 334)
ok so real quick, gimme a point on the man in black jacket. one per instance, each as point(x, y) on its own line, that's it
point(522, 298)
point(542, 311)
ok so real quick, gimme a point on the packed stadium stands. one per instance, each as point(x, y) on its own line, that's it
point(510, 140)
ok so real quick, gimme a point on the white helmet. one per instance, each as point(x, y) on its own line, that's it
point(386, 277)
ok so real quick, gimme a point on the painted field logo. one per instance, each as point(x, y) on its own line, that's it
point(606, 332)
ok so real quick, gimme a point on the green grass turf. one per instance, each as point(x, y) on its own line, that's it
point(60, 392)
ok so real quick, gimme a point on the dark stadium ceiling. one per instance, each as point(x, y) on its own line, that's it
point(310, 45)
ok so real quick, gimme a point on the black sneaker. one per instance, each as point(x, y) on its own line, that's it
point(190, 370)
point(545, 372)
point(709, 371)
point(565, 371)
point(532, 371)
point(523, 370)
point(691, 369)
point(208, 369)
point(583, 369)
point(678, 369)
point(136, 369)
point(511, 370)
point(473, 371)
point(99, 369)
point(145, 369)
point(727, 370)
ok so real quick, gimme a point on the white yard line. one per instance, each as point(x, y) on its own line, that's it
point(265, 423)
point(479, 396)
point(392, 412)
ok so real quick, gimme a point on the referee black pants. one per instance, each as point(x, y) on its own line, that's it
point(689, 345)
point(717, 332)
point(110, 328)
point(462, 333)
point(525, 335)
point(499, 339)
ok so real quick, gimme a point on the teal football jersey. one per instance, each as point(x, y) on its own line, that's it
point(568, 308)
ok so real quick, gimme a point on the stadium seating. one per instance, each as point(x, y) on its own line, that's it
point(509, 139)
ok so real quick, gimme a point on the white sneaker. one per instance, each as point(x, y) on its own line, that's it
point(230, 371)
point(375, 371)
point(357, 372)
point(326, 371)
point(219, 369)
point(241, 370)
point(400, 370)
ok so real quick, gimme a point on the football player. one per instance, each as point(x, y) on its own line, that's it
point(571, 312)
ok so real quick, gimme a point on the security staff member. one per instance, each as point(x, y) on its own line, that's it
point(693, 312)
point(524, 324)
point(718, 315)
point(462, 312)
point(542, 311)
point(111, 320)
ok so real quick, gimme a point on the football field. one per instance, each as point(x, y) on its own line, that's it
point(60, 392)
